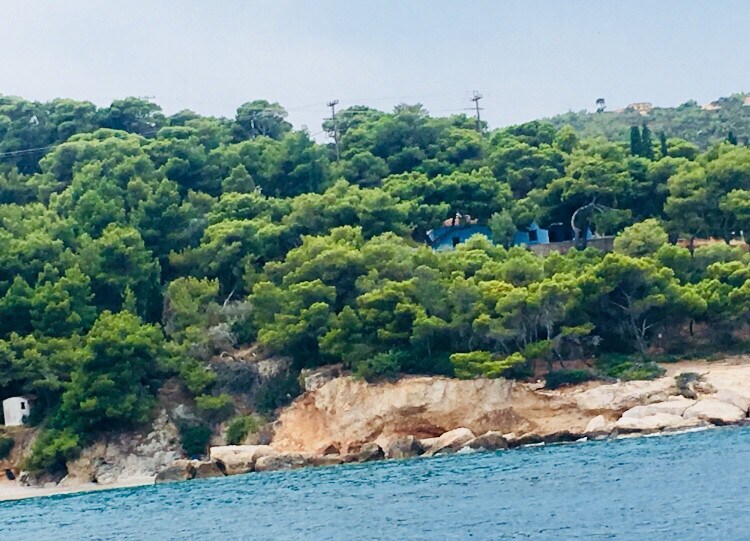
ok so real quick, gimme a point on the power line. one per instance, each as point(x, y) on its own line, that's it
point(27, 150)
point(268, 111)
point(21, 152)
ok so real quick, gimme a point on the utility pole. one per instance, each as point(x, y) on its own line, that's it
point(477, 96)
point(332, 104)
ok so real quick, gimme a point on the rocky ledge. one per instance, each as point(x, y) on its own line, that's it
point(238, 459)
point(345, 421)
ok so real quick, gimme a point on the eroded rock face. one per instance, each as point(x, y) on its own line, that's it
point(236, 459)
point(736, 398)
point(347, 413)
point(598, 424)
point(281, 461)
point(24, 438)
point(489, 441)
point(314, 379)
point(181, 470)
point(676, 405)
point(207, 469)
point(451, 441)
point(128, 456)
point(369, 452)
point(403, 447)
point(650, 423)
point(326, 460)
point(715, 411)
point(623, 396)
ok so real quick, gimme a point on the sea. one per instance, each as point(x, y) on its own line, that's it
point(690, 486)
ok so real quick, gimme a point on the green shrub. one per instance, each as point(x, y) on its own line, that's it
point(559, 378)
point(641, 239)
point(637, 371)
point(239, 428)
point(215, 408)
point(485, 364)
point(6, 444)
point(382, 365)
point(195, 439)
point(628, 367)
point(52, 450)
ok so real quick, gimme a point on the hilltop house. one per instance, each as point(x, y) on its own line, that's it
point(15, 410)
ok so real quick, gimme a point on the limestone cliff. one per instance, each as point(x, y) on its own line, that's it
point(345, 413)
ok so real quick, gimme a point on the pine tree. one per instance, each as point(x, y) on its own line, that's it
point(663, 142)
point(635, 141)
point(129, 301)
point(731, 139)
point(647, 146)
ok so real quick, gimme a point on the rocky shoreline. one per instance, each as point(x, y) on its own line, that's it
point(242, 459)
point(345, 421)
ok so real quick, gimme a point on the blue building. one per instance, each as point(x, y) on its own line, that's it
point(533, 235)
point(462, 227)
point(455, 231)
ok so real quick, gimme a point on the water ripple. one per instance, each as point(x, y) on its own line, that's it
point(690, 486)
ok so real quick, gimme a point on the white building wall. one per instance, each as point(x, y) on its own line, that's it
point(15, 409)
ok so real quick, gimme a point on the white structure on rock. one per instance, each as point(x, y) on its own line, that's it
point(15, 410)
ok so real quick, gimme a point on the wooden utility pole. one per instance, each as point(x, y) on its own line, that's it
point(332, 104)
point(477, 96)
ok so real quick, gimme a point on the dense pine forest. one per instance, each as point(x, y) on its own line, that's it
point(135, 247)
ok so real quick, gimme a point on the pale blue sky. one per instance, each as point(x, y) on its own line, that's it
point(529, 58)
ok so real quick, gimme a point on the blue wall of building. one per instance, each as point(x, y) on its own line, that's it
point(446, 238)
point(534, 235)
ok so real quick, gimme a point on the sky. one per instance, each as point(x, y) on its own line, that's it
point(528, 58)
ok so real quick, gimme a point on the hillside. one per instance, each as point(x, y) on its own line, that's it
point(207, 262)
point(700, 124)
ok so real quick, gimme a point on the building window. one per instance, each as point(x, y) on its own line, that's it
point(23, 405)
point(533, 235)
point(456, 241)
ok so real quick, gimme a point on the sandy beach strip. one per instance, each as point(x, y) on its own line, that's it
point(12, 490)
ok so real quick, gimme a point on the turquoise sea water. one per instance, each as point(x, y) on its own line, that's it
point(693, 486)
